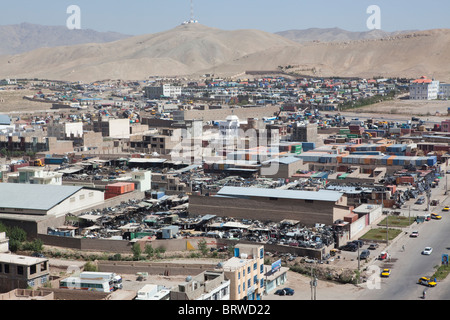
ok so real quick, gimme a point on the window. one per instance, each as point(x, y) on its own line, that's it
point(6, 268)
point(239, 275)
point(249, 283)
point(33, 269)
point(20, 270)
point(261, 269)
point(239, 288)
point(255, 266)
point(255, 280)
point(261, 253)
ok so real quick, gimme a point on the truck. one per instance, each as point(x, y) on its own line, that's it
point(110, 276)
point(37, 163)
point(146, 292)
point(52, 160)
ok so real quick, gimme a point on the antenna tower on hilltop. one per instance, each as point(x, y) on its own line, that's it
point(191, 20)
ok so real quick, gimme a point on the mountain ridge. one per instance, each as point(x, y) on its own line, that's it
point(195, 49)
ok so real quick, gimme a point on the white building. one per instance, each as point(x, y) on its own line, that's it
point(163, 91)
point(229, 129)
point(35, 175)
point(208, 285)
point(424, 89)
point(46, 200)
point(65, 130)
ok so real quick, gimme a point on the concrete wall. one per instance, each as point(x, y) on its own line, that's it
point(155, 268)
point(264, 209)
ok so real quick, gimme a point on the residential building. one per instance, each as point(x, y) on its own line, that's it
point(245, 272)
point(163, 91)
point(444, 91)
point(35, 175)
point(22, 272)
point(274, 276)
point(208, 285)
point(113, 128)
point(66, 130)
point(424, 89)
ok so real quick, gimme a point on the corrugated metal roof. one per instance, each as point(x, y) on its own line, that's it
point(242, 192)
point(34, 196)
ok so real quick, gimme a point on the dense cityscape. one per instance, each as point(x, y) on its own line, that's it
point(277, 184)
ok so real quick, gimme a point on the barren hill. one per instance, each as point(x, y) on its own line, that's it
point(335, 35)
point(180, 51)
point(25, 37)
point(197, 49)
point(406, 55)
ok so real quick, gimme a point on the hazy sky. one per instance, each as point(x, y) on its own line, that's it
point(149, 16)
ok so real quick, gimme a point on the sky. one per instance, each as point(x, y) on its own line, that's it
point(135, 17)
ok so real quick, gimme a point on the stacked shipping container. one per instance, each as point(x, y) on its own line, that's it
point(117, 189)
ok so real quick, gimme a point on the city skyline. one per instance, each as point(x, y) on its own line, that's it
point(135, 17)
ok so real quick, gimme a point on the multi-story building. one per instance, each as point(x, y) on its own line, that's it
point(113, 128)
point(424, 89)
point(22, 272)
point(163, 91)
point(209, 285)
point(444, 91)
point(35, 175)
point(246, 272)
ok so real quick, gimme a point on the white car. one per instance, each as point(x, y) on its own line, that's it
point(427, 250)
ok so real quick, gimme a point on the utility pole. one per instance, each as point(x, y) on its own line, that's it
point(313, 284)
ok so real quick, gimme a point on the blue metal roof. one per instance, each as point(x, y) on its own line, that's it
point(34, 196)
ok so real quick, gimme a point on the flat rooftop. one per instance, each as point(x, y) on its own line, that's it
point(244, 192)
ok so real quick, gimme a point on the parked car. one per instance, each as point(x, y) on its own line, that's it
point(426, 282)
point(359, 243)
point(373, 246)
point(289, 291)
point(284, 292)
point(350, 247)
point(427, 251)
point(364, 254)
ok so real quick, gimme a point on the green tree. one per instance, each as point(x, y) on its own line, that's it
point(136, 251)
point(149, 250)
point(203, 247)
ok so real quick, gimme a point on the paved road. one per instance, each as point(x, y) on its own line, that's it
point(409, 265)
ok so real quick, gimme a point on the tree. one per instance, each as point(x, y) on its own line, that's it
point(149, 251)
point(203, 247)
point(136, 251)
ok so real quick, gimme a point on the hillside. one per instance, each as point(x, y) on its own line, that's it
point(180, 51)
point(25, 37)
point(408, 55)
point(335, 35)
point(196, 49)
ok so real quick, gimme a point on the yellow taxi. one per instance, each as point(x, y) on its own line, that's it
point(436, 216)
point(446, 208)
point(386, 273)
point(427, 282)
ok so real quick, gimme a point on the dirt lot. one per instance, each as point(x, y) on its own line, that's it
point(409, 107)
point(12, 102)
